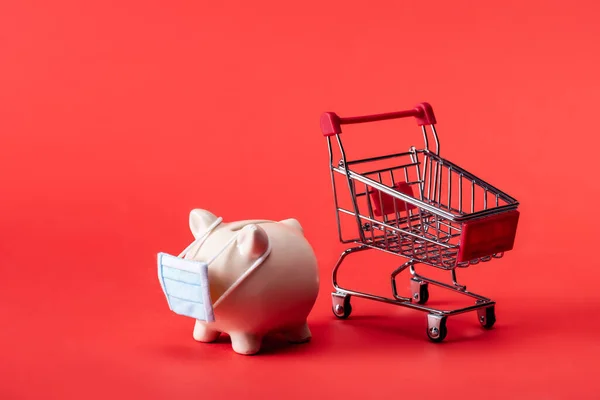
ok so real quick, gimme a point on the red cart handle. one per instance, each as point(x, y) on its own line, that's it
point(331, 122)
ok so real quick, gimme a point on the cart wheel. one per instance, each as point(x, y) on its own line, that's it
point(487, 317)
point(436, 328)
point(342, 309)
point(420, 291)
point(423, 294)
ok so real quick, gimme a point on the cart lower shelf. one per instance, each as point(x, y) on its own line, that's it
point(436, 318)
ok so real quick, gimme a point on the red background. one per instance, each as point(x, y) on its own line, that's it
point(119, 117)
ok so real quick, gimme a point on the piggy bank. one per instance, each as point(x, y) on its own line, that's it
point(263, 279)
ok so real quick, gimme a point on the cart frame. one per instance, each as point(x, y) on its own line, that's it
point(435, 231)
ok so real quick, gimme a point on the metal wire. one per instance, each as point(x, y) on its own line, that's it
point(427, 228)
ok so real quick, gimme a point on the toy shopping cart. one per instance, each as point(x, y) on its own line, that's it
point(422, 207)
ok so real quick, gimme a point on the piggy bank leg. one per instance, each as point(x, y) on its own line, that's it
point(245, 343)
point(202, 333)
point(300, 334)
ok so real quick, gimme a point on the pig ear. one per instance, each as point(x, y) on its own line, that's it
point(293, 223)
point(252, 241)
point(200, 221)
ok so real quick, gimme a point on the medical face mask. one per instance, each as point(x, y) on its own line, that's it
point(184, 281)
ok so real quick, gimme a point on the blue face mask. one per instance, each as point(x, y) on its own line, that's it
point(184, 281)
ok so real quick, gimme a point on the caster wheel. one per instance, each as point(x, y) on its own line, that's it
point(341, 307)
point(436, 329)
point(423, 294)
point(487, 317)
point(420, 291)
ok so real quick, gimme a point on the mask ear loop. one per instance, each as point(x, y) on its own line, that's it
point(253, 267)
point(200, 239)
point(222, 249)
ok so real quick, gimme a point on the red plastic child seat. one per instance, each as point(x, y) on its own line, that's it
point(388, 201)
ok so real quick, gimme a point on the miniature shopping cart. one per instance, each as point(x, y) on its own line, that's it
point(422, 207)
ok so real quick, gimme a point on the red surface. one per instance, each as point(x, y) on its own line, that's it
point(119, 117)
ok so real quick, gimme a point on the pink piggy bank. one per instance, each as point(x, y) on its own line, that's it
point(262, 277)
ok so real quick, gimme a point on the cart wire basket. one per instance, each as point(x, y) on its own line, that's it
point(421, 207)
